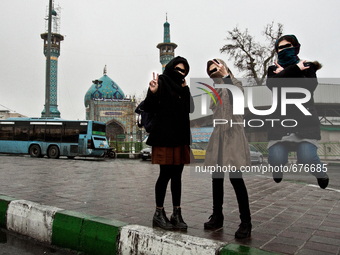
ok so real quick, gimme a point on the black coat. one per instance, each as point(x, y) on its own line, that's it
point(308, 125)
point(171, 124)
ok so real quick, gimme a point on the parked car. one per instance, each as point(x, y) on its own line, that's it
point(255, 155)
point(146, 153)
point(197, 151)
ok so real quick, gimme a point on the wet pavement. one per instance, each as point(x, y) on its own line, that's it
point(289, 217)
point(13, 244)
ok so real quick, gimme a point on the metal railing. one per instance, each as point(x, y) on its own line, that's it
point(127, 147)
point(325, 150)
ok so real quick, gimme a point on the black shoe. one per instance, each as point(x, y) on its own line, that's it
point(177, 220)
point(323, 182)
point(244, 230)
point(277, 176)
point(216, 221)
point(160, 220)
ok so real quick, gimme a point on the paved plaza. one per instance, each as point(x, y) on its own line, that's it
point(289, 217)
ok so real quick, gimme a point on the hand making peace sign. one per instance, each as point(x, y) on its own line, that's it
point(153, 85)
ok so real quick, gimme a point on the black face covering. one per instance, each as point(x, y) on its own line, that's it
point(173, 74)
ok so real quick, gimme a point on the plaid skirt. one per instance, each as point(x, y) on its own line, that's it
point(171, 155)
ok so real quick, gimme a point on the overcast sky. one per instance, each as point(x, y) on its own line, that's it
point(123, 35)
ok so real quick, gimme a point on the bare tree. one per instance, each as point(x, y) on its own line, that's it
point(140, 97)
point(250, 56)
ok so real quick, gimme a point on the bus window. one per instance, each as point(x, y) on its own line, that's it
point(37, 133)
point(53, 133)
point(6, 132)
point(100, 138)
point(83, 128)
point(21, 131)
point(71, 132)
point(98, 129)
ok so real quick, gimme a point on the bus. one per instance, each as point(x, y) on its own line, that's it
point(53, 137)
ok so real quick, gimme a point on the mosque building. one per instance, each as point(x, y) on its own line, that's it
point(105, 101)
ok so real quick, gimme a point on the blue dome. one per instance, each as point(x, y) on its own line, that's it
point(107, 90)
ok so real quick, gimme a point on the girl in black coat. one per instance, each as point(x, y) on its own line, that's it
point(302, 134)
point(170, 99)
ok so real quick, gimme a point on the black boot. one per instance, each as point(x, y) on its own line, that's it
point(277, 176)
point(244, 230)
point(160, 220)
point(323, 182)
point(216, 221)
point(177, 220)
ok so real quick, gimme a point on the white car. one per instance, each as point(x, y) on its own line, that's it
point(255, 155)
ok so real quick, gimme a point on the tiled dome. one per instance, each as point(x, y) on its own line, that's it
point(108, 89)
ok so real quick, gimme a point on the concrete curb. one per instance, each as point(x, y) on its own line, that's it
point(31, 219)
point(136, 239)
point(97, 235)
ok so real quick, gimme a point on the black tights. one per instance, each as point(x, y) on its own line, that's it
point(240, 190)
point(167, 172)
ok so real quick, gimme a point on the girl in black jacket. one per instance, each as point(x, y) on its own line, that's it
point(299, 131)
point(170, 99)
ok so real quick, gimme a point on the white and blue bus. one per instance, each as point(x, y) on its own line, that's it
point(53, 137)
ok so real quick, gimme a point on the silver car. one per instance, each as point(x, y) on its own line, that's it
point(255, 155)
point(146, 153)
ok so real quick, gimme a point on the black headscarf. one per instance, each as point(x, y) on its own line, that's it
point(288, 56)
point(174, 75)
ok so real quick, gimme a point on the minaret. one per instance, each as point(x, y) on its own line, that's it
point(167, 48)
point(56, 38)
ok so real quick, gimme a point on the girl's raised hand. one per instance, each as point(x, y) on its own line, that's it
point(153, 85)
point(278, 69)
point(302, 66)
point(221, 70)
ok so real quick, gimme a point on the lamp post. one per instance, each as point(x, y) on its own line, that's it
point(141, 138)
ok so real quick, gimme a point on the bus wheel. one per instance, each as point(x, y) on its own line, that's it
point(35, 151)
point(53, 152)
point(112, 154)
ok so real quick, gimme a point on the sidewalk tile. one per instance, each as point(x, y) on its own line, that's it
point(287, 217)
point(327, 234)
point(305, 251)
point(296, 235)
point(317, 246)
point(325, 240)
point(281, 248)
